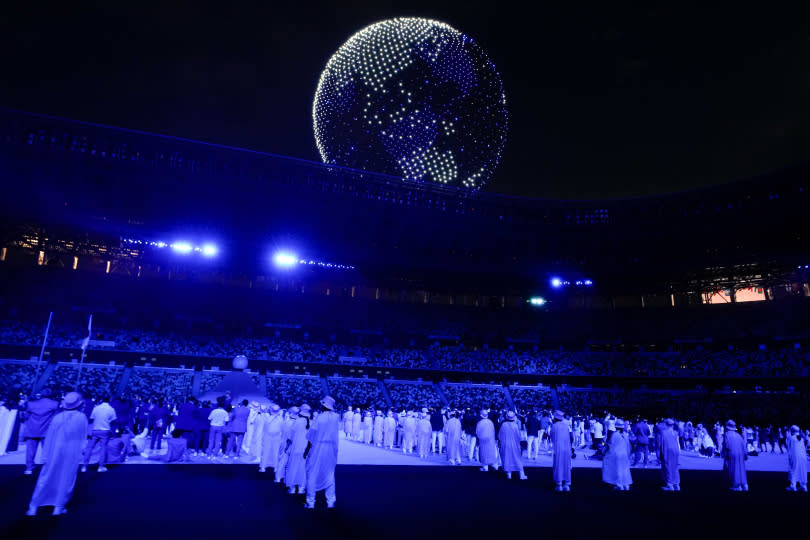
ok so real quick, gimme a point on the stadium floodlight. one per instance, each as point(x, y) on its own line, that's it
point(182, 247)
point(537, 301)
point(556, 282)
point(210, 250)
point(588, 282)
point(285, 259)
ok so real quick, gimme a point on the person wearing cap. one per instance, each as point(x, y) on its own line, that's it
point(357, 425)
point(423, 435)
point(271, 428)
point(389, 430)
point(38, 415)
point(295, 476)
point(669, 454)
point(734, 458)
point(408, 433)
point(452, 438)
point(561, 457)
point(378, 429)
point(487, 451)
point(511, 453)
point(348, 417)
point(61, 454)
point(322, 453)
point(616, 463)
point(368, 427)
point(797, 460)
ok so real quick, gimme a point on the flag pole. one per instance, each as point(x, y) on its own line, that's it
point(41, 353)
point(85, 343)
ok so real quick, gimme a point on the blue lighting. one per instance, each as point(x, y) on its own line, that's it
point(537, 301)
point(556, 282)
point(210, 250)
point(182, 247)
point(284, 259)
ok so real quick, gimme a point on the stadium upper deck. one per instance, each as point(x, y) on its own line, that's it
point(74, 178)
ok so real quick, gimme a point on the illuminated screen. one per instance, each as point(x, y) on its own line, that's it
point(747, 294)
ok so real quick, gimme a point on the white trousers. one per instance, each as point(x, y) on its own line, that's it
point(329, 491)
point(437, 436)
point(471, 450)
point(532, 443)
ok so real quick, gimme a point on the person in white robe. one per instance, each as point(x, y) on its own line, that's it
point(295, 476)
point(797, 460)
point(368, 427)
point(616, 462)
point(7, 419)
point(511, 453)
point(272, 431)
point(357, 425)
point(487, 451)
point(389, 430)
point(286, 441)
point(348, 418)
point(408, 433)
point(561, 457)
point(252, 439)
point(424, 433)
point(61, 454)
point(452, 438)
point(378, 429)
point(322, 454)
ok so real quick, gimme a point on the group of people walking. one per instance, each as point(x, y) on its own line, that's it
point(302, 449)
point(300, 445)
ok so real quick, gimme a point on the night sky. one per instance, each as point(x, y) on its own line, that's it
point(603, 101)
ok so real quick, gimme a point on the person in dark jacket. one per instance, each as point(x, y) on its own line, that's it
point(185, 423)
point(533, 436)
point(159, 420)
point(641, 431)
point(437, 427)
point(38, 415)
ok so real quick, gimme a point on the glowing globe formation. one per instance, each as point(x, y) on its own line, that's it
point(413, 98)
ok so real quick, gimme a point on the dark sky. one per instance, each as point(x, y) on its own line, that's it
point(604, 101)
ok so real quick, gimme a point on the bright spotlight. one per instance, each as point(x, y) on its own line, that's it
point(285, 259)
point(537, 301)
point(182, 247)
point(210, 250)
point(556, 282)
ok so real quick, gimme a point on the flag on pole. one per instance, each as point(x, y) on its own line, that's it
point(86, 341)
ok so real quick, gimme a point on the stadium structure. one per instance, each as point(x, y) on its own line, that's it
point(112, 221)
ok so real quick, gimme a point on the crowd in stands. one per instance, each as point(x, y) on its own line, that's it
point(406, 395)
point(154, 383)
point(527, 397)
point(16, 377)
point(478, 396)
point(785, 361)
point(357, 392)
point(94, 378)
point(284, 389)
